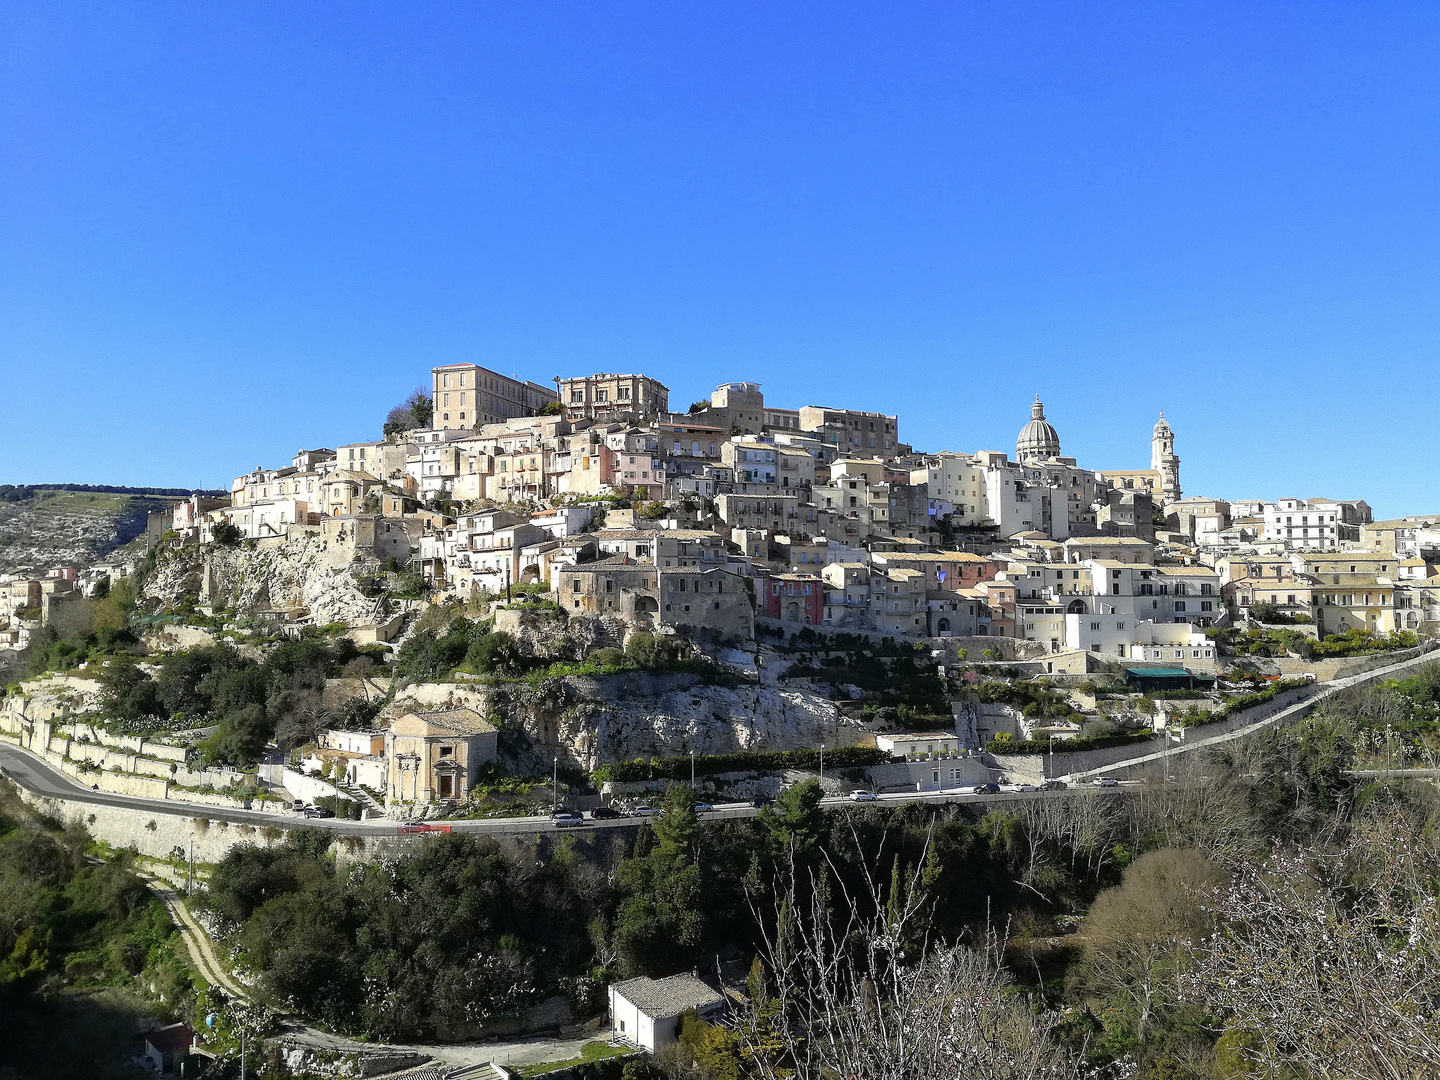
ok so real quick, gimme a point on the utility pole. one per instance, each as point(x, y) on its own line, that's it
point(692, 770)
point(556, 783)
point(190, 880)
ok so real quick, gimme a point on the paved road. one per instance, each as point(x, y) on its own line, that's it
point(1290, 712)
point(33, 773)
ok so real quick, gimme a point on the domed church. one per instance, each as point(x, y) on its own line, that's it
point(1038, 440)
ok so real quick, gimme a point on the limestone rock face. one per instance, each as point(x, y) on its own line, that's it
point(590, 720)
point(301, 572)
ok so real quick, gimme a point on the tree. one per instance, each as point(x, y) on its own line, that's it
point(698, 406)
point(845, 995)
point(551, 408)
point(660, 923)
point(226, 534)
point(1329, 967)
point(416, 411)
point(1138, 936)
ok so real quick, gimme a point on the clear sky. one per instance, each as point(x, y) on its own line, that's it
point(228, 231)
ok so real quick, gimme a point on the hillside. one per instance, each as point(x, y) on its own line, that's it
point(48, 527)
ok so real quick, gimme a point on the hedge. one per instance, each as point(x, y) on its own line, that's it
point(1064, 746)
point(1247, 701)
point(678, 768)
point(342, 807)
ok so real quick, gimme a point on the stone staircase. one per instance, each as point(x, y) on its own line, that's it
point(483, 1071)
point(358, 794)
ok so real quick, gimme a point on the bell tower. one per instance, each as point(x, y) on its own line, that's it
point(1164, 462)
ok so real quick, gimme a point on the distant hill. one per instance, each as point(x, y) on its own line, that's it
point(17, 492)
point(79, 524)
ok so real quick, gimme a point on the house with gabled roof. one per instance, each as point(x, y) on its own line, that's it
point(646, 1012)
point(432, 756)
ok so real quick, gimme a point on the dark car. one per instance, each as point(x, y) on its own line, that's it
point(986, 789)
point(761, 801)
point(318, 812)
point(605, 813)
point(1054, 785)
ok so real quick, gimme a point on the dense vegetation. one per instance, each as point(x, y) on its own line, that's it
point(472, 647)
point(251, 701)
point(85, 952)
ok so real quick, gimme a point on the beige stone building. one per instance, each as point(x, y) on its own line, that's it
point(470, 396)
point(606, 393)
point(851, 431)
point(431, 756)
point(646, 595)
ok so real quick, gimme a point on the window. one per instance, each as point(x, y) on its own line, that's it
point(1094, 626)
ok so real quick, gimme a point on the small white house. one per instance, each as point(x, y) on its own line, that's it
point(921, 744)
point(646, 1012)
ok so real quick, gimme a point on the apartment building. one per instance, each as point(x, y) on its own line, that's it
point(469, 396)
point(606, 394)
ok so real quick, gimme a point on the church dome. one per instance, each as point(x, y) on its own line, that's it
point(1163, 427)
point(1038, 439)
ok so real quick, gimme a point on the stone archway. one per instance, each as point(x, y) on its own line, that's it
point(1076, 607)
point(792, 611)
point(943, 626)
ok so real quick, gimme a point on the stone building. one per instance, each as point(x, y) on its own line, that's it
point(645, 595)
point(605, 394)
point(431, 756)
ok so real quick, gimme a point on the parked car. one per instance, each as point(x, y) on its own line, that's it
point(761, 801)
point(1016, 788)
point(1054, 785)
point(318, 812)
point(1104, 781)
point(564, 818)
point(298, 806)
point(605, 813)
point(985, 789)
point(862, 795)
point(644, 811)
point(703, 808)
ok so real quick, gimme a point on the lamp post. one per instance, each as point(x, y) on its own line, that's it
point(692, 770)
point(1052, 755)
point(556, 784)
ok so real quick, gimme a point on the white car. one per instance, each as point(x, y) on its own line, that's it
point(1104, 781)
point(1018, 787)
point(861, 795)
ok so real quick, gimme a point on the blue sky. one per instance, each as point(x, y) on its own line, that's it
point(231, 230)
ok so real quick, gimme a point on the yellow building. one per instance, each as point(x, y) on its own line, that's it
point(437, 755)
point(469, 396)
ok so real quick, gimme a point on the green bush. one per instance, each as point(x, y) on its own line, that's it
point(678, 768)
point(998, 745)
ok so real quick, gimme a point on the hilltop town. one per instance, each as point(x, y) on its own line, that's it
point(590, 522)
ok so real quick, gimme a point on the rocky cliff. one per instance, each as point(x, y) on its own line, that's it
point(303, 572)
point(591, 720)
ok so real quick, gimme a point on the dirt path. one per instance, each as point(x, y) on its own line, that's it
point(197, 942)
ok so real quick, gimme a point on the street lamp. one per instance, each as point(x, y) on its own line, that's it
point(556, 784)
point(692, 770)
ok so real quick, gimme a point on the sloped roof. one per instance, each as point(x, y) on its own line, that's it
point(460, 721)
point(671, 996)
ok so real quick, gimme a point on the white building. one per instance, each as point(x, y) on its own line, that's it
point(646, 1012)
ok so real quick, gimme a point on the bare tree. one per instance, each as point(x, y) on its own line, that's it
point(863, 994)
point(1330, 962)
